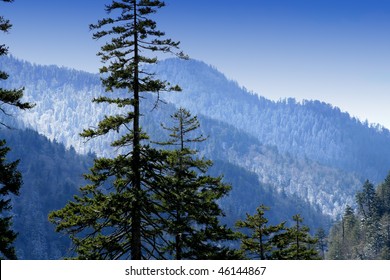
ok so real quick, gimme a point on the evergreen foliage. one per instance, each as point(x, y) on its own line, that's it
point(295, 243)
point(276, 242)
point(9, 97)
point(10, 178)
point(115, 216)
point(10, 182)
point(259, 244)
point(189, 196)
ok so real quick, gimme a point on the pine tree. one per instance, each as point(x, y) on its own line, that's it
point(369, 208)
point(10, 178)
point(368, 201)
point(189, 200)
point(295, 243)
point(258, 245)
point(12, 97)
point(10, 182)
point(383, 192)
point(115, 216)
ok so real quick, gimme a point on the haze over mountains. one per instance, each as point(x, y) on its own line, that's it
point(308, 157)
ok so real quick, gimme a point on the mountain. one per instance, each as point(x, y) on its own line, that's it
point(63, 97)
point(311, 129)
point(307, 157)
point(51, 176)
point(52, 173)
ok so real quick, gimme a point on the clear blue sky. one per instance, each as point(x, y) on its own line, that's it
point(337, 51)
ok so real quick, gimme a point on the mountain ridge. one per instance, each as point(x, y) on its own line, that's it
point(64, 108)
point(314, 129)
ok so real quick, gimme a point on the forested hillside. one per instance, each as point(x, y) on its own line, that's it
point(364, 234)
point(64, 109)
point(310, 129)
point(170, 160)
point(51, 176)
point(286, 174)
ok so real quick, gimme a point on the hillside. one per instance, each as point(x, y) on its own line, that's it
point(53, 174)
point(64, 109)
point(309, 129)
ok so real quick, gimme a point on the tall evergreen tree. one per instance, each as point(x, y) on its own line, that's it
point(118, 221)
point(259, 243)
point(10, 178)
point(189, 200)
point(368, 202)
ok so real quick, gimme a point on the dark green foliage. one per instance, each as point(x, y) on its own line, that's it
point(259, 244)
point(10, 182)
point(100, 220)
point(12, 97)
point(295, 243)
point(277, 242)
point(189, 197)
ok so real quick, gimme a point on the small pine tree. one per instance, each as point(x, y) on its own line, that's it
point(258, 245)
point(189, 196)
point(295, 243)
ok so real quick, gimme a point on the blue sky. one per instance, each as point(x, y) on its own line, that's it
point(337, 51)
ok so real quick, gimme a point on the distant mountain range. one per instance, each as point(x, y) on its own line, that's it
point(295, 157)
point(311, 129)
